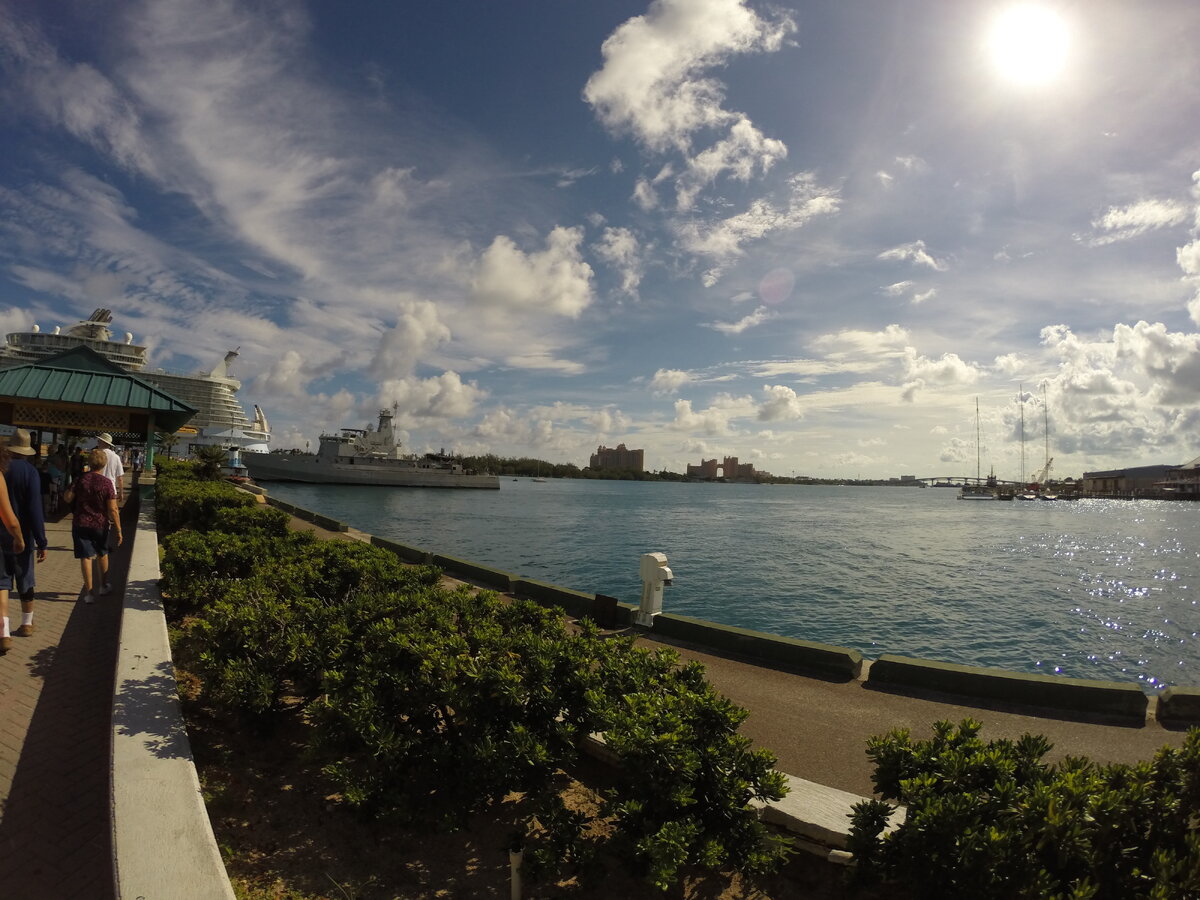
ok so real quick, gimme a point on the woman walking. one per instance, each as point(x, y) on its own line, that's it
point(12, 544)
point(94, 503)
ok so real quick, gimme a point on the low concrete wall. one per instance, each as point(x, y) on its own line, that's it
point(789, 653)
point(1074, 694)
point(576, 603)
point(414, 555)
point(163, 844)
point(496, 579)
point(308, 515)
point(1179, 706)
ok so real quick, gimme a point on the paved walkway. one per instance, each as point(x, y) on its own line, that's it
point(55, 727)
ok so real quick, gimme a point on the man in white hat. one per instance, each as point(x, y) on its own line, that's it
point(25, 494)
point(114, 469)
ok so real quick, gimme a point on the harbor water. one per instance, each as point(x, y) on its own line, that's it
point(1099, 589)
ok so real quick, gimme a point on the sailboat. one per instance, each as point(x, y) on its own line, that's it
point(979, 490)
point(1028, 493)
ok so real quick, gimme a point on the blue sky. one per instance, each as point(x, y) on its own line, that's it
point(806, 234)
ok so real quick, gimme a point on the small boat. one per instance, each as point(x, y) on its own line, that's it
point(366, 456)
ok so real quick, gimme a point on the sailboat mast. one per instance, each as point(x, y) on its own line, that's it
point(977, 440)
point(1046, 413)
point(1021, 400)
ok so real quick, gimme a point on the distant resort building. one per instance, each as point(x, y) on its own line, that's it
point(730, 470)
point(617, 458)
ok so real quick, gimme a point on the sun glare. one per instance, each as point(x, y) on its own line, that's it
point(1028, 44)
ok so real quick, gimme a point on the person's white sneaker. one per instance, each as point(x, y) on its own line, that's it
point(88, 598)
point(107, 589)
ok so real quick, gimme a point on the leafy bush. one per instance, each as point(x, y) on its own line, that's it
point(256, 518)
point(992, 820)
point(686, 777)
point(427, 699)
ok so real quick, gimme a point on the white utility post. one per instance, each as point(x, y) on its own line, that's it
point(655, 576)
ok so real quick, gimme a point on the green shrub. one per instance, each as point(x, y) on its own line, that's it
point(992, 820)
point(686, 777)
point(255, 518)
point(183, 503)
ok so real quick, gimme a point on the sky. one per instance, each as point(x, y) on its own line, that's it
point(812, 235)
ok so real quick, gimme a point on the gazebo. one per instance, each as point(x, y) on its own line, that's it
point(80, 391)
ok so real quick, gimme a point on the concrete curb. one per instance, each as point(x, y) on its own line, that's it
point(1078, 695)
point(817, 815)
point(1179, 706)
point(163, 844)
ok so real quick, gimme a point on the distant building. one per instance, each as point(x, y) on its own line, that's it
point(729, 469)
point(617, 458)
point(1127, 481)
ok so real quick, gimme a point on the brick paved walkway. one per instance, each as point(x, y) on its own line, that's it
point(55, 728)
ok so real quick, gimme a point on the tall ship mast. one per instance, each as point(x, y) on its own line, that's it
point(220, 418)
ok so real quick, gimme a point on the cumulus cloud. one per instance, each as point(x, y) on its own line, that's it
point(669, 381)
point(915, 253)
point(608, 421)
point(444, 396)
point(757, 317)
point(782, 404)
point(652, 85)
point(715, 420)
point(555, 280)
point(620, 249)
point(868, 347)
point(418, 330)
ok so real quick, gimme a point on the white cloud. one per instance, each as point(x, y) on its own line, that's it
point(418, 331)
point(722, 239)
point(922, 297)
point(1125, 222)
point(757, 317)
point(868, 347)
point(915, 253)
point(445, 396)
point(669, 381)
point(782, 404)
point(742, 153)
point(651, 85)
point(619, 248)
point(644, 195)
point(715, 420)
point(555, 280)
point(895, 290)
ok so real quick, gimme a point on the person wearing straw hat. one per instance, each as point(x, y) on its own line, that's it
point(114, 469)
point(13, 526)
point(24, 483)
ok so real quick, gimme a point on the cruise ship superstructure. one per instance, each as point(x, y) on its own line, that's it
point(220, 418)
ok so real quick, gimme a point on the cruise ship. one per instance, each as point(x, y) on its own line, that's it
point(220, 419)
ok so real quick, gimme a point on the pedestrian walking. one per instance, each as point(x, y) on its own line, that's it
point(24, 484)
point(114, 469)
point(78, 464)
point(94, 504)
point(14, 544)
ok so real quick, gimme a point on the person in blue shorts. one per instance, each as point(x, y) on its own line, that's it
point(94, 504)
point(24, 484)
point(14, 545)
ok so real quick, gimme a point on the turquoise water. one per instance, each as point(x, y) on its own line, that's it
point(1090, 589)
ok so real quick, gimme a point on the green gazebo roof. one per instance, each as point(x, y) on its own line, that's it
point(81, 375)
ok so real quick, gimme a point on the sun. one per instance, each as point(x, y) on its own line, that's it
point(1028, 44)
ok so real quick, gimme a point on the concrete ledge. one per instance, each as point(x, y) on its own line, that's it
point(414, 555)
point(818, 815)
point(163, 845)
point(461, 568)
point(761, 647)
point(329, 524)
point(1078, 695)
point(1179, 706)
point(576, 603)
